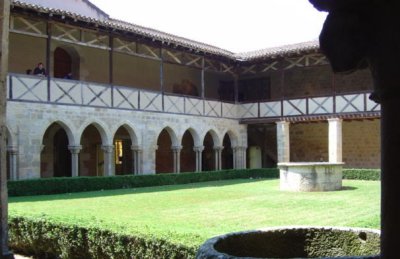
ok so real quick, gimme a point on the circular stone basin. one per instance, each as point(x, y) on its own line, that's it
point(294, 242)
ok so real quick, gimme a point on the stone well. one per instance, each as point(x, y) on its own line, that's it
point(295, 242)
point(310, 176)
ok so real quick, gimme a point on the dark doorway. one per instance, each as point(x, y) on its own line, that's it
point(62, 63)
point(164, 155)
point(62, 155)
point(227, 153)
point(91, 157)
point(208, 162)
point(188, 156)
point(123, 152)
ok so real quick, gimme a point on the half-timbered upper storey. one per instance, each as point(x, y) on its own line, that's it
point(93, 60)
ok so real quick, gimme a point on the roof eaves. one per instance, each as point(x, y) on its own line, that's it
point(168, 39)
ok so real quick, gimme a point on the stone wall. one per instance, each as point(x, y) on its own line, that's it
point(28, 123)
point(361, 144)
point(309, 142)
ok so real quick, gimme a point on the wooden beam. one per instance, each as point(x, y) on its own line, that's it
point(4, 39)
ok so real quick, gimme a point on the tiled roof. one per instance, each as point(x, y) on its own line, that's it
point(285, 50)
point(173, 40)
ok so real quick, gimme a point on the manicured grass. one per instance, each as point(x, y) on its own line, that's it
point(190, 214)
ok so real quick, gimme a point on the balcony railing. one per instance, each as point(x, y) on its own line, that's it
point(355, 103)
point(88, 94)
point(70, 92)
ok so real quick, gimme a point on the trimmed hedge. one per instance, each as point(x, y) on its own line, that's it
point(362, 174)
point(45, 186)
point(45, 239)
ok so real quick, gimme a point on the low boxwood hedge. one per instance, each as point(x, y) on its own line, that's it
point(45, 186)
point(44, 239)
point(362, 174)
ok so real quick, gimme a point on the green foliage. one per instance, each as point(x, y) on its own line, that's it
point(182, 215)
point(47, 186)
point(362, 174)
point(45, 239)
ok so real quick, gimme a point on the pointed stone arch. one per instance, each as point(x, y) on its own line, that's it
point(210, 143)
point(227, 157)
point(106, 137)
point(167, 144)
point(55, 158)
point(188, 159)
point(96, 153)
point(65, 125)
point(127, 150)
point(233, 137)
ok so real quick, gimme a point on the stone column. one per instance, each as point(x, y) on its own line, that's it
point(13, 152)
point(236, 156)
point(137, 159)
point(283, 141)
point(244, 158)
point(218, 157)
point(199, 158)
point(108, 159)
point(335, 140)
point(177, 158)
point(241, 158)
point(75, 159)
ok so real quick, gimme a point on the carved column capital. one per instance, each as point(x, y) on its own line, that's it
point(108, 148)
point(12, 149)
point(75, 149)
point(176, 148)
point(198, 148)
point(136, 148)
point(218, 148)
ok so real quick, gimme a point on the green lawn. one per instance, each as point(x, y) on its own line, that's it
point(190, 214)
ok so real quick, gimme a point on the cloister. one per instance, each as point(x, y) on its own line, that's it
point(141, 101)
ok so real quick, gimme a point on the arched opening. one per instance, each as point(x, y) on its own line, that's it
point(91, 155)
point(164, 155)
point(227, 153)
point(208, 159)
point(62, 63)
point(55, 159)
point(188, 156)
point(122, 152)
point(62, 155)
point(66, 63)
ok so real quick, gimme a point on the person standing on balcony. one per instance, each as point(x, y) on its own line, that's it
point(39, 70)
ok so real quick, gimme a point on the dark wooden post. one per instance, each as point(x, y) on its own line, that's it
point(236, 88)
point(48, 54)
point(4, 31)
point(202, 94)
point(162, 77)
point(111, 66)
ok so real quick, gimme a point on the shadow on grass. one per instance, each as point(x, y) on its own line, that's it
point(348, 188)
point(128, 191)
